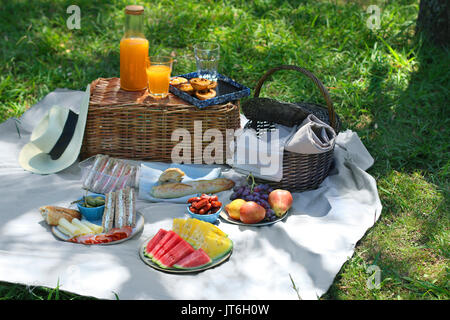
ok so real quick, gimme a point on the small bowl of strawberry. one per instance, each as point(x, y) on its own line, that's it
point(204, 207)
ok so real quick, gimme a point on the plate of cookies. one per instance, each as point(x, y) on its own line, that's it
point(202, 92)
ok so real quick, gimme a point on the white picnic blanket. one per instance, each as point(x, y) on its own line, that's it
point(309, 246)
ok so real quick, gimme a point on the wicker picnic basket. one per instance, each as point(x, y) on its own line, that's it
point(302, 172)
point(132, 125)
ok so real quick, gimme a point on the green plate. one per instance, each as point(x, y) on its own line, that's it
point(224, 215)
point(212, 264)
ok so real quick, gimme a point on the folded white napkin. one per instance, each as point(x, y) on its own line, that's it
point(313, 136)
point(150, 172)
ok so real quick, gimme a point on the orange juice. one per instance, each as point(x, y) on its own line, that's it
point(158, 79)
point(133, 55)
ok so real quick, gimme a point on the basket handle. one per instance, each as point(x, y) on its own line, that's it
point(310, 75)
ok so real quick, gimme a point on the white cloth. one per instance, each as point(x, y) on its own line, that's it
point(312, 136)
point(310, 245)
point(261, 155)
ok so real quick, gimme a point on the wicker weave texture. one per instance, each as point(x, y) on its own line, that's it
point(132, 125)
point(302, 172)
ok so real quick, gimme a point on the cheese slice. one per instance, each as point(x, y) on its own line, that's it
point(67, 228)
point(94, 227)
point(65, 231)
point(85, 230)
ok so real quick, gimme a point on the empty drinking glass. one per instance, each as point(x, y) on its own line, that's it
point(207, 55)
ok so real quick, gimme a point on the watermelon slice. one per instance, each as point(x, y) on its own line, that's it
point(156, 238)
point(167, 246)
point(181, 250)
point(161, 242)
point(196, 259)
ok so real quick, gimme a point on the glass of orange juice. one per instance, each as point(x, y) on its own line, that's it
point(158, 75)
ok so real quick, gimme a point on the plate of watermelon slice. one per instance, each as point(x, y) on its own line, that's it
point(191, 246)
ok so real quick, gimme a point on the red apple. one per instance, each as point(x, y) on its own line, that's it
point(280, 201)
point(251, 212)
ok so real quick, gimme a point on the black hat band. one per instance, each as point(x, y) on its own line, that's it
point(65, 137)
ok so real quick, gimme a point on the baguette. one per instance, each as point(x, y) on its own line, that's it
point(176, 190)
point(52, 214)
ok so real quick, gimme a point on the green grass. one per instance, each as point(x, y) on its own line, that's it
point(9, 291)
point(388, 85)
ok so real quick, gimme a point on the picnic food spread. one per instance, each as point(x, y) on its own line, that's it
point(118, 218)
point(109, 216)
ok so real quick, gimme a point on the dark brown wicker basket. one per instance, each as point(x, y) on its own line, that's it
point(302, 172)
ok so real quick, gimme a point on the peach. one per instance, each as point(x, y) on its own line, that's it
point(234, 207)
point(251, 212)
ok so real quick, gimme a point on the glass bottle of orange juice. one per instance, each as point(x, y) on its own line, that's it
point(133, 51)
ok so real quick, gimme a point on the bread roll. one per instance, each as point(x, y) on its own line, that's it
point(52, 214)
point(171, 175)
point(176, 190)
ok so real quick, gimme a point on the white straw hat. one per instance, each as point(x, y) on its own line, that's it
point(56, 140)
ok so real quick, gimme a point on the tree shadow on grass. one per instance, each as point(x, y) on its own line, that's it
point(409, 136)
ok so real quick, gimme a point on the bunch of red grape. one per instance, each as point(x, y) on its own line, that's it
point(257, 193)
